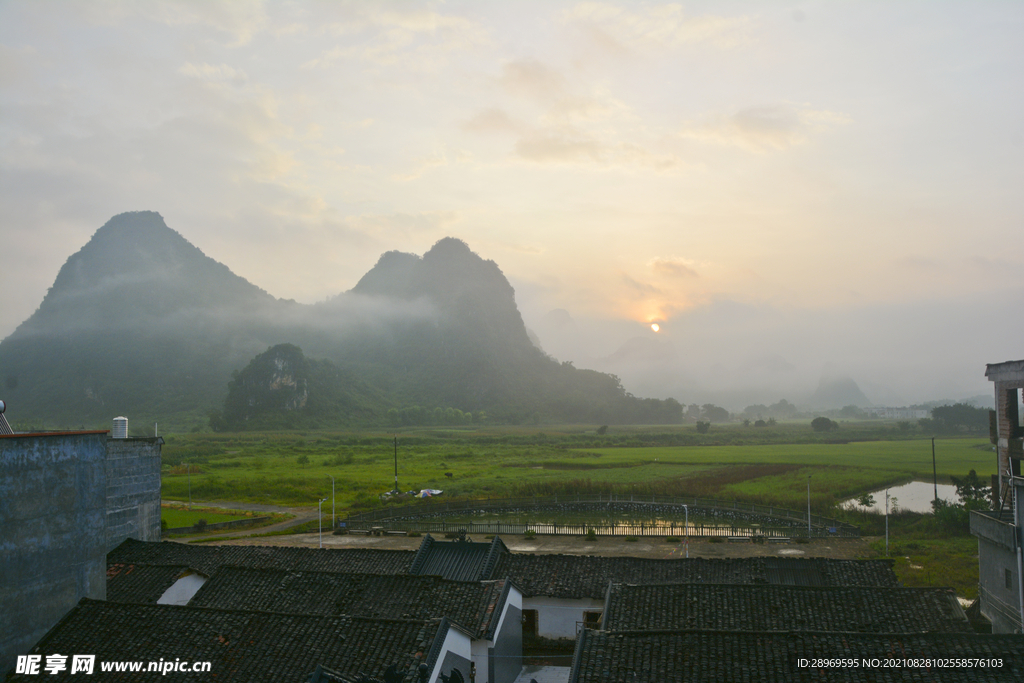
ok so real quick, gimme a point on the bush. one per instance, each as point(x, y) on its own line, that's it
point(200, 525)
point(529, 533)
point(703, 427)
point(672, 539)
point(602, 430)
point(716, 539)
point(412, 534)
point(823, 424)
point(631, 539)
point(591, 535)
point(163, 526)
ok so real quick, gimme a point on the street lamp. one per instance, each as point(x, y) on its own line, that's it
point(333, 522)
point(319, 507)
point(808, 507)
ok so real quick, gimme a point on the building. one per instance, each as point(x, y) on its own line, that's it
point(66, 498)
point(1000, 541)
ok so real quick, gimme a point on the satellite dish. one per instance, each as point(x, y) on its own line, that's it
point(3, 407)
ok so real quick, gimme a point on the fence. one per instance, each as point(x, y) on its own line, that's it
point(733, 518)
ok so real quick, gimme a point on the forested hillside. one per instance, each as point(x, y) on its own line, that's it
point(141, 323)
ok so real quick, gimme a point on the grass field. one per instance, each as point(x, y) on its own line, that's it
point(177, 517)
point(731, 463)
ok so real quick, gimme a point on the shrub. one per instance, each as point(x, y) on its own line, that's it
point(631, 539)
point(672, 539)
point(823, 424)
point(602, 430)
point(529, 533)
point(703, 427)
point(591, 535)
point(163, 526)
point(200, 525)
point(716, 539)
point(412, 534)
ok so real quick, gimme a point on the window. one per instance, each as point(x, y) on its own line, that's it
point(592, 620)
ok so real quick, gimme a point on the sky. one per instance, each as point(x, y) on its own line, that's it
point(790, 190)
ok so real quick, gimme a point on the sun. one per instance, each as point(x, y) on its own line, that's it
point(655, 326)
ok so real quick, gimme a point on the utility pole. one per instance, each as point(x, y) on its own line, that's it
point(332, 502)
point(188, 468)
point(808, 507)
point(887, 522)
point(396, 464)
point(935, 476)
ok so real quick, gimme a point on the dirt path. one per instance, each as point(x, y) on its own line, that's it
point(300, 515)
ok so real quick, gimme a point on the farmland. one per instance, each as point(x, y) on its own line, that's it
point(734, 463)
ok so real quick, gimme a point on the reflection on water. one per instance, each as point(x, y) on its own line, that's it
point(916, 497)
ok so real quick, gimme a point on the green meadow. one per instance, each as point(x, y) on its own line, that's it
point(762, 466)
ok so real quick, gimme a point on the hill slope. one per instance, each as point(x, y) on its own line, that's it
point(140, 322)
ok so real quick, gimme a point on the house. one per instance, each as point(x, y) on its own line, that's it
point(680, 656)
point(66, 498)
point(1000, 540)
point(564, 593)
point(247, 646)
point(759, 607)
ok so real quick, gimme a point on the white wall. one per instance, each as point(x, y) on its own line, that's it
point(182, 590)
point(458, 643)
point(557, 617)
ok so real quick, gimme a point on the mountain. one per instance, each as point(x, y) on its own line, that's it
point(837, 392)
point(282, 389)
point(139, 322)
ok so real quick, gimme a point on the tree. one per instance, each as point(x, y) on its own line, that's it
point(866, 501)
point(960, 417)
point(823, 424)
point(303, 459)
point(703, 427)
point(972, 491)
point(712, 413)
point(760, 423)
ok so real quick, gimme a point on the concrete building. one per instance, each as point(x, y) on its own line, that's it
point(66, 498)
point(1000, 541)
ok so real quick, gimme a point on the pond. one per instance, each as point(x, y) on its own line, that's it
point(916, 497)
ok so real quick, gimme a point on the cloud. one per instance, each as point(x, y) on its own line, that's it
point(396, 226)
point(559, 146)
point(641, 287)
point(208, 72)
point(675, 267)
point(533, 79)
point(241, 19)
point(655, 26)
point(758, 129)
point(492, 120)
point(412, 39)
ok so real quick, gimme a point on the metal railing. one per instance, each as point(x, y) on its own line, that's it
point(734, 518)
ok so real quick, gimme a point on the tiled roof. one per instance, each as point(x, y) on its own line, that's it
point(207, 558)
point(587, 576)
point(678, 656)
point(458, 560)
point(141, 583)
point(242, 646)
point(783, 608)
point(470, 604)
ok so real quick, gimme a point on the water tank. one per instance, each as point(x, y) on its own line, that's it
point(120, 428)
